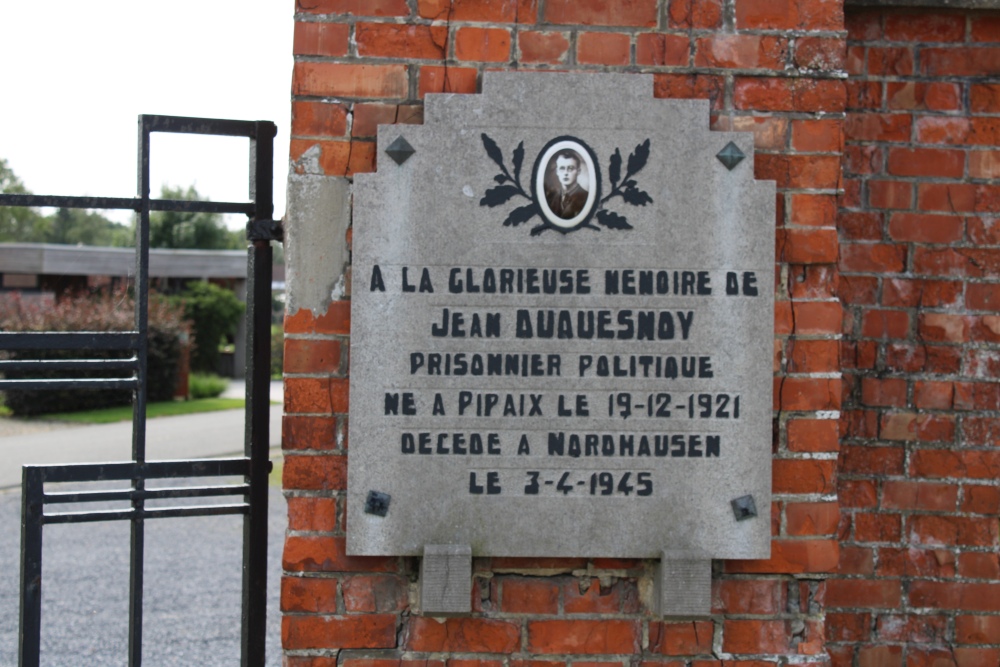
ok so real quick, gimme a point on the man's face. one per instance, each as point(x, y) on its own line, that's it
point(567, 169)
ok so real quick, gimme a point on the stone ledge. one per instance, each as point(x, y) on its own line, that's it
point(926, 4)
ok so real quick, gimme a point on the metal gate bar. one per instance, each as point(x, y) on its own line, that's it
point(254, 467)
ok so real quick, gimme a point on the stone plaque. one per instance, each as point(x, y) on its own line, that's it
point(562, 328)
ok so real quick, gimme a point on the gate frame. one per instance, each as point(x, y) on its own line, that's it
point(254, 466)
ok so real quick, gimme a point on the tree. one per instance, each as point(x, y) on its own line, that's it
point(76, 226)
point(17, 223)
point(214, 313)
point(205, 231)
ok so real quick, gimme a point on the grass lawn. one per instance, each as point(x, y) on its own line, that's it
point(163, 409)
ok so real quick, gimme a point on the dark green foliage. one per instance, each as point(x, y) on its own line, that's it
point(205, 231)
point(106, 312)
point(277, 351)
point(16, 223)
point(202, 385)
point(214, 313)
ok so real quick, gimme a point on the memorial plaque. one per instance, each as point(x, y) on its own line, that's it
point(562, 328)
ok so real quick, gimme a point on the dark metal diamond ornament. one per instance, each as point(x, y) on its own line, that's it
point(744, 507)
point(730, 156)
point(400, 150)
point(377, 502)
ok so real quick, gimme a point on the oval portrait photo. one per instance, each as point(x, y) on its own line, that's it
point(566, 183)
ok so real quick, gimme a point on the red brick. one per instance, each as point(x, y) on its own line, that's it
point(848, 627)
point(925, 293)
point(522, 595)
point(813, 356)
point(792, 557)
point(435, 79)
point(690, 86)
point(937, 463)
point(817, 135)
point(978, 565)
point(878, 126)
point(863, 160)
point(603, 48)
point(863, 94)
point(329, 554)
point(315, 395)
point(960, 61)
point(918, 96)
point(394, 40)
point(487, 11)
point(320, 39)
point(315, 473)
point(813, 435)
point(863, 25)
point(542, 47)
point(984, 164)
point(817, 317)
point(945, 130)
point(740, 51)
point(977, 629)
point(363, 631)
point(863, 594)
point(872, 257)
point(871, 527)
point(311, 356)
point(482, 44)
point(355, 7)
point(375, 593)
point(803, 476)
point(955, 595)
point(914, 562)
point(926, 162)
point(367, 117)
point(597, 599)
point(463, 635)
point(944, 327)
point(925, 27)
point(890, 61)
point(323, 79)
point(912, 426)
point(318, 119)
point(661, 49)
point(820, 53)
point(299, 432)
point(809, 246)
point(312, 514)
point(982, 296)
point(949, 197)
point(641, 13)
point(890, 194)
point(933, 395)
point(919, 496)
point(749, 596)
point(885, 324)
point(587, 637)
point(917, 228)
point(866, 460)
point(883, 392)
point(694, 13)
point(812, 518)
point(984, 97)
point(880, 656)
point(936, 530)
point(316, 596)
point(336, 320)
point(773, 637)
point(981, 499)
point(689, 638)
point(856, 560)
point(913, 628)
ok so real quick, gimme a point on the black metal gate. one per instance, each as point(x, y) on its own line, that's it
point(253, 467)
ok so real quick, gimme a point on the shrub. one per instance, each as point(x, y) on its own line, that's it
point(214, 313)
point(206, 385)
point(103, 312)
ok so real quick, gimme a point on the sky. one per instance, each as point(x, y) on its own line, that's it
point(76, 76)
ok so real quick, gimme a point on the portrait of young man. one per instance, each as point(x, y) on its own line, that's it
point(563, 193)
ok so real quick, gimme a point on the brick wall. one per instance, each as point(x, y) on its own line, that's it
point(919, 280)
point(772, 67)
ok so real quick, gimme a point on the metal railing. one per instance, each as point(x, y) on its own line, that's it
point(253, 467)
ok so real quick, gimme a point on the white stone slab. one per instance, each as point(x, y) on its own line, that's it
point(650, 460)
